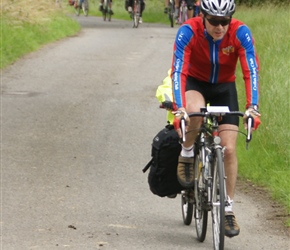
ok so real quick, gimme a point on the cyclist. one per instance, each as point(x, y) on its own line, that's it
point(129, 5)
point(196, 8)
point(101, 8)
point(191, 6)
point(176, 5)
point(206, 51)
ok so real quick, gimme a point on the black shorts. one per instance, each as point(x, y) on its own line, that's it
point(223, 94)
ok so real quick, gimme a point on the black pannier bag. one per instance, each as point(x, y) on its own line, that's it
point(162, 177)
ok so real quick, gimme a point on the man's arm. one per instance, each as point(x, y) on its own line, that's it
point(180, 62)
point(250, 65)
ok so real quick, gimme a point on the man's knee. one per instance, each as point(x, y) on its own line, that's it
point(230, 151)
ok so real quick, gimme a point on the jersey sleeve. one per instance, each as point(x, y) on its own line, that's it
point(180, 63)
point(250, 64)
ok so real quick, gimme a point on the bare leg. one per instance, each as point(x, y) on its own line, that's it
point(229, 139)
point(194, 101)
point(190, 14)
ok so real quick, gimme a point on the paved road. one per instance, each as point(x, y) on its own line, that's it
point(77, 120)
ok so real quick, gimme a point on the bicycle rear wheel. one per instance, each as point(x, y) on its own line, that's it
point(171, 14)
point(187, 207)
point(200, 212)
point(218, 201)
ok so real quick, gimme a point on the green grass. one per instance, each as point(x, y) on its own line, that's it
point(18, 39)
point(266, 163)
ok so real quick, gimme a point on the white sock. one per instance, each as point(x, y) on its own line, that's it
point(229, 208)
point(187, 151)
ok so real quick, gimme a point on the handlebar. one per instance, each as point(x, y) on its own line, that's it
point(205, 113)
point(215, 111)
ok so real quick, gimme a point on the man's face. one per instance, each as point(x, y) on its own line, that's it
point(216, 26)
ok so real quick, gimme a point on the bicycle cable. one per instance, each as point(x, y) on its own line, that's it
point(238, 131)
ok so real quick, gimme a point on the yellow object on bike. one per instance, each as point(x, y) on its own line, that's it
point(164, 93)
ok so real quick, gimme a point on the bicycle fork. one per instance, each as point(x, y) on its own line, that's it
point(208, 174)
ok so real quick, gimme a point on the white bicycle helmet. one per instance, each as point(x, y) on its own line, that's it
point(218, 7)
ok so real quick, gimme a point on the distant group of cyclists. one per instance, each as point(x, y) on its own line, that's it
point(192, 5)
point(128, 7)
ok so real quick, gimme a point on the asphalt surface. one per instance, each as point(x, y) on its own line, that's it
point(77, 120)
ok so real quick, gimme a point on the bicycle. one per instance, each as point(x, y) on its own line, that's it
point(82, 4)
point(182, 13)
point(171, 10)
point(209, 191)
point(107, 11)
point(136, 11)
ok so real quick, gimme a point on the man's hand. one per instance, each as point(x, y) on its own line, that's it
point(253, 112)
point(178, 115)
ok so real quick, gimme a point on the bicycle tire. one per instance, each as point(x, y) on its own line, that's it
point(171, 14)
point(218, 200)
point(186, 208)
point(84, 8)
point(136, 14)
point(109, 14)
point(135, 20)
point(78, 9)
point(105, 11)
point(200, 211)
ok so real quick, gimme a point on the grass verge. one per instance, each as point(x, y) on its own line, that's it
point(266, 163)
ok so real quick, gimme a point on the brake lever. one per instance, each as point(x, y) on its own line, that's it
point(249, 131)
point(182, 126)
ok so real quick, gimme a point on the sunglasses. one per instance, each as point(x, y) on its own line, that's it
point(217, 22)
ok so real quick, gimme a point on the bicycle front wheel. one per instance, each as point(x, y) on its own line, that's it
point(109, 14)
point(77, 9)
point(85, 9)
point(105, 11)
point(200, 212)
point(136, 14)
point(218, 200)
point(187, 207)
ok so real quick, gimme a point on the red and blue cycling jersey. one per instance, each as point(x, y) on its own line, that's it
point(198, 56)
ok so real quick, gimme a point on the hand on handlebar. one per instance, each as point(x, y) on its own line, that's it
point(255, 115)
point(179, 116)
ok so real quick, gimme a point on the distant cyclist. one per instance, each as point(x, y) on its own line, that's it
point(196, 8)
point(101, 8)
point(129, 6)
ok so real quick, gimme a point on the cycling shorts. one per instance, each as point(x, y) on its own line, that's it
point(222, 94)
point(190, 4)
